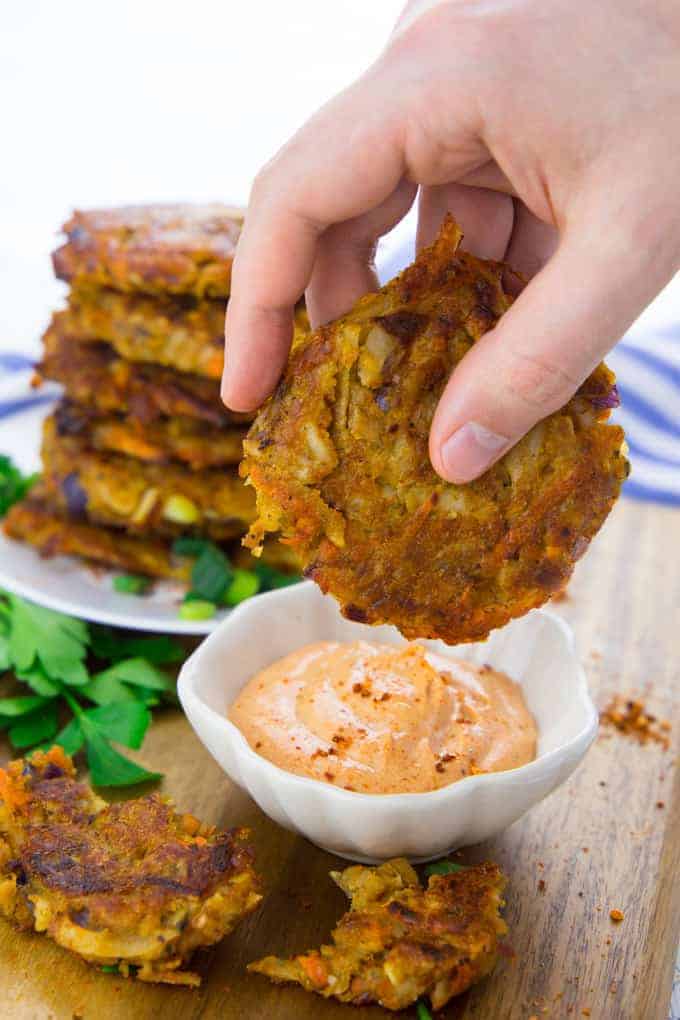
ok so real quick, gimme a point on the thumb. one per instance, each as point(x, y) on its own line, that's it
point(543, 348)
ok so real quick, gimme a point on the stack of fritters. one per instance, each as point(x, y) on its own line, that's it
point(141, 442)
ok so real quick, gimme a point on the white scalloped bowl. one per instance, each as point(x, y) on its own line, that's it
point(536, 650)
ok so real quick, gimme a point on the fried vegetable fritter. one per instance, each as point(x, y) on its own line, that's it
point(94, 375)
point(37, 521)
point(156, 249)
point(188, 440)
point(133, 884)
point(399, 942)
point(146, 498)
point(53, 533)
point(339, 460)
point(179, 332)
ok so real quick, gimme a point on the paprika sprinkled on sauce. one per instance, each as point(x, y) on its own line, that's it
point(382, 719)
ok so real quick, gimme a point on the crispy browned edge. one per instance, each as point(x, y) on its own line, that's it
point(157, 249)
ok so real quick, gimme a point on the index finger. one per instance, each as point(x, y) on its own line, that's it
point(345, 161)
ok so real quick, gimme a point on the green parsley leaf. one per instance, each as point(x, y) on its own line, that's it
point(71, 738)
point(36, 726)
point(37, 679)
point(13, 484)
point(115, 683)
point(211, 573)
point(20, 706)
point(126, 722)
point(105, 688)
point(112, 644)
point(59, 642)
point(140, 673)
point(444, 868)
point(130, 584)
point(423, 1012)
point(110, 968)
point(107, 766)
point(5, 658)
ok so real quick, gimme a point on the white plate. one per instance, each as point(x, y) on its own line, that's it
point(63, 582)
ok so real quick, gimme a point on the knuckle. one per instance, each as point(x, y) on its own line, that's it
point(538, 382)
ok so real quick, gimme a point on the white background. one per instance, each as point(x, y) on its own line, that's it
point(107, 103)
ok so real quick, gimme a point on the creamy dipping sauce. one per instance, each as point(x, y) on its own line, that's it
point(379, 719)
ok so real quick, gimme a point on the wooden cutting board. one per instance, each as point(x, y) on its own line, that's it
point(609, 838)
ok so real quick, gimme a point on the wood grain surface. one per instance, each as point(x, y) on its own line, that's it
point(602, 841)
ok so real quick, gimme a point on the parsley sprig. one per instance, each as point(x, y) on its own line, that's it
point(216, 582)
point(13, 484)
point(94, 682)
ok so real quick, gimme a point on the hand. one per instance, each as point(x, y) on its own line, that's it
point(550, 129)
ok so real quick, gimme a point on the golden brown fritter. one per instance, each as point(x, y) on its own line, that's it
point(53, 533)
point(133, 884)
point(155, 499)
point(156, 249)
point(180, 332)
point(187, 440)
point(94, 375)
point(399, 942)
point(339, 460)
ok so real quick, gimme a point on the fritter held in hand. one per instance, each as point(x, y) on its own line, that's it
point(156, 249)
point(94, 375)
point(132, 884)
point(339, 460)
point(146, 498)
point(399, 942)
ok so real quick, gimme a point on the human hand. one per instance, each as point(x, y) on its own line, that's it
point(551, 130)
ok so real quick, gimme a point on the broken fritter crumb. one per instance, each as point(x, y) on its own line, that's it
point(132, 886)
point(399, 942)
point(339, 461)
point(631, 717)
point(616, 915)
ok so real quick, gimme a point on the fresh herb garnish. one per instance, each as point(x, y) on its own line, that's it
point(215, 582)
point(130, 584)
point(423, 1012)
point(13, 484)
point(106, 681)
point(197, 609)
point(444, 868)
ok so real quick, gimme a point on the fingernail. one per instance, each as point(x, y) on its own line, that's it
point(470, 451)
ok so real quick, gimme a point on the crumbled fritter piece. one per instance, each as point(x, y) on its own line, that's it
point(53, 533)
point(180, 332)
point(133, 884)
point(631, 717)
point(399, 942)
point(94, 375)
point(188, 440)
point(156, 249)
point(339, 460)
point(156, 499)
